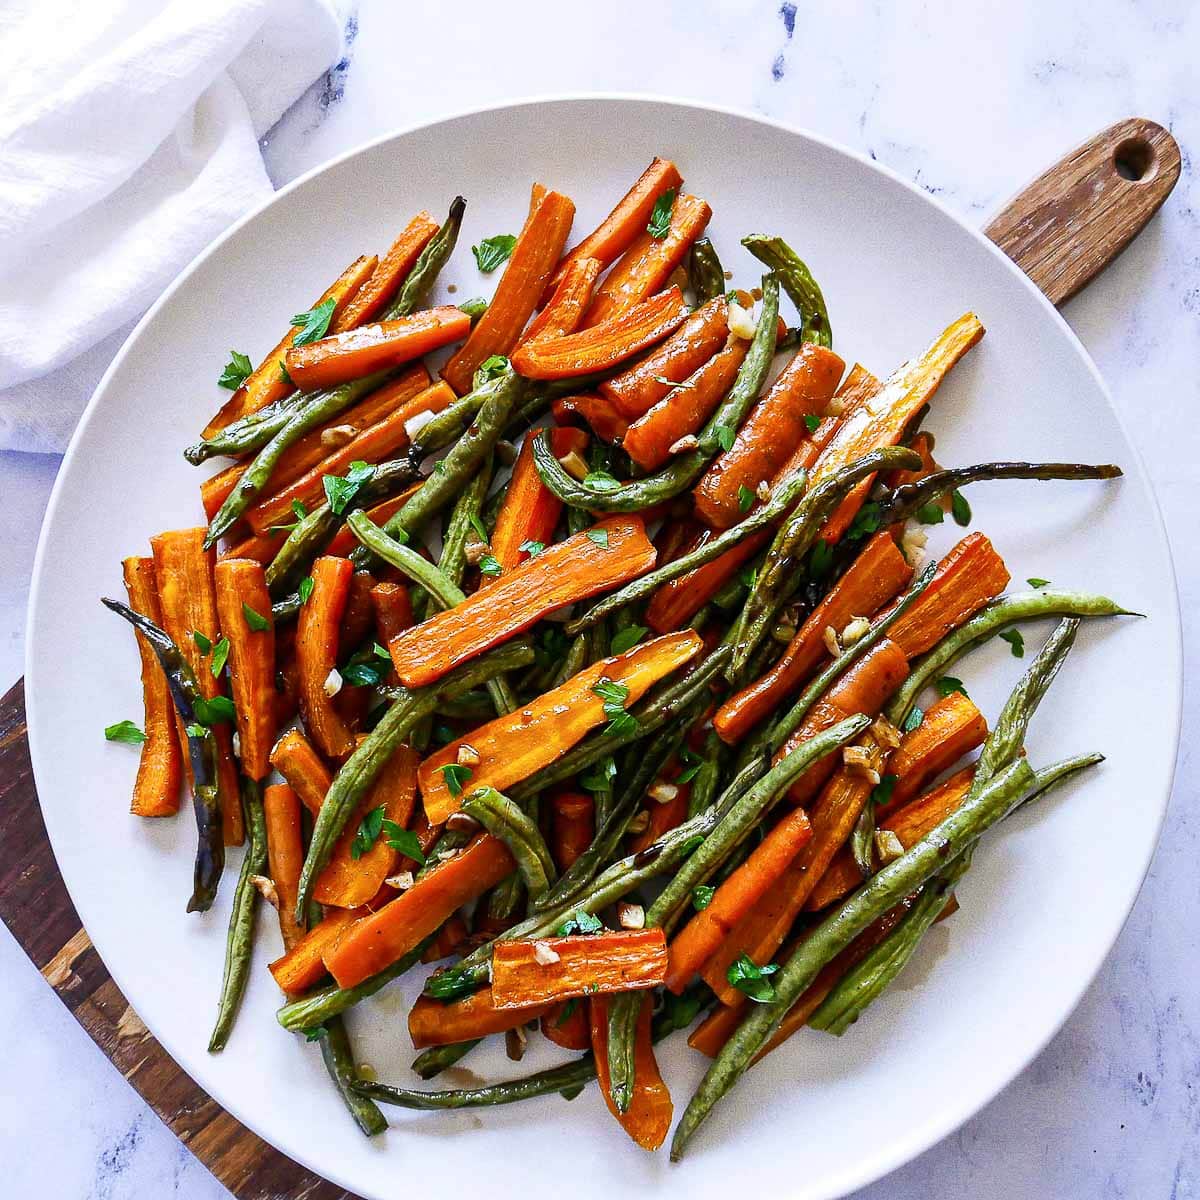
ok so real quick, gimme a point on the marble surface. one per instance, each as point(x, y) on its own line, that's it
point(969, 101)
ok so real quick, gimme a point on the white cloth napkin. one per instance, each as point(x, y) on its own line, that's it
point(128, 140)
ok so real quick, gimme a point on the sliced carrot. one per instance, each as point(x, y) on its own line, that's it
point(266, 383)
point(183, 570)
point(285, 855)
point(648, 1117)
point(393, 610)
point(628, 219)
point(597, 412)
point(635, 390)
point(529, 511)
point(528, 971)
point(603, 344)
point(316, 654)
point(344, 541)
point(244, 609)
point(387, 935)
point(595, 560)
point(391, 272)
point(567, 1025)
point(770, 434)
point(573, 825)
point(922, 443)
point(295, 758)
point(432, 1023)
point(570, 300)
point(160, 766)
point(447, 940)
point(512, 747)
point(675, 603)
point(665, 815)
point(303, 966)
point(259, 548)
point(696, 943)
point(871, 580)
point(648, 262)
point(533, 259)
point(949, 728)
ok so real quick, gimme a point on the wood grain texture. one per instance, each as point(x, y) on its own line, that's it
point(1062, 230)
point(1065, 227)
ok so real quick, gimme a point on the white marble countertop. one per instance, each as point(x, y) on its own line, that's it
point(969, 100)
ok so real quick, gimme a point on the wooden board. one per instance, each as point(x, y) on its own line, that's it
point(1062, 230)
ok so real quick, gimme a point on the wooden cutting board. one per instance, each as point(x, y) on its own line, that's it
point(1062, 230)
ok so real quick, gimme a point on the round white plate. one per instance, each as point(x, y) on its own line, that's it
point(1048, 893)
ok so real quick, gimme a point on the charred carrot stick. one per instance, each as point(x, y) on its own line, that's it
point(244, 610)
point(529, 971)
point(635, 390)
point(160, 767)
point(969, 575)
point(301, 457)
point(303, 966)
point(570, 300)
point(648, 262)
point(393, 610)
point(647, 1120)
point(183, 570)
point(603, 344)
point(266, 383)
point(533, 259)
point(529, 511)
point(359, 352)
point(770, 434)
point(665, 814)
point(447, 940)
point(259, 548)
point(387, 277)
point(567, 1025)
point(949, 728)
point(512, 747)
point(573, 825)
point(600, 414)
point(876, 576)
point(316, 655)
point(922, 443)
point(402, 924)
point(696, 943)
point(612, 237)
point(683, 409)
point(285, 855)
point(432, 1023)
point(297, 760)
point(344, 541)
point(675, 603)
point(596, 560)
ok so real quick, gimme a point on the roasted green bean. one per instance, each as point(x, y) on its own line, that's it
point(505, 820)
point(705, 274)
point(776, 255)
point(339, 1062)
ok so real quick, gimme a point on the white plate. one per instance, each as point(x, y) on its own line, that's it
point(1048, 894)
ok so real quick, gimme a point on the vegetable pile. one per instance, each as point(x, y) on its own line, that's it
point(602, 671)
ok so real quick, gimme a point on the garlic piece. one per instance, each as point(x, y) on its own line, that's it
point(630, 916)
point(545, 954)
point(333, 682)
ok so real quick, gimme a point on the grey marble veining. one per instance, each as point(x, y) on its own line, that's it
point(969, 101)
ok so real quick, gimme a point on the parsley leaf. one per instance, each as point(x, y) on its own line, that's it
point(363, 674)
point(702, 895)
point(599, 536)
point(881, 793)
point(204, 644)
point(480, 529)
point(725, 437)
point(488, 565)
point(533, 549)
point(1015, 640)
point(314, 1033)
point(567, 1013)
point(299, 511)
point(237, 370)
point(455, 775)
point(747, 576)
point(812, 423)
point(474, 308)
point(196, 731)
point(611, 692)
point(404, 840)
point(579, 922)
point(339, 490)
point(960, 510)
point(948, 684)
point(1038, 583)
point(913, 720)
point(284, 376)
point(865, 523)
point(601, 481)
point(666, 381)
point(692, 762)
point(313, 323)
point(680, 1011)
point(820, 560)
point(381, 652)
point(219, 657)
point(747, 976)
point(368, 832)
point(692, 844)
point(627, 638)
point(600, 777)
point(930, 514)
point(614, 696)
point(491, 252)
point(660, 218)
point(306, 588)
point(745, 498)
point(215, 711)
point(490, 368)
point(124, 731)
point(255, 620)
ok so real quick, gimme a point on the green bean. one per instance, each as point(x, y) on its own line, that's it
point(239, 944)
point(504, 820)
point(803, 290)
point(428, 265)
point(460, 526)
point(447, 842)
point(362, 768)
point(202, 756)
point(783, 497)
point(474, 708)
point(705, 274)
point(680, 474)
point(904, 501)
point(432, 1062)
point(623, 1012)
point(780, 573)
point(998, 615)
point(573, 661)
point(248, 433)
point(450, 424)
point(339, 1062)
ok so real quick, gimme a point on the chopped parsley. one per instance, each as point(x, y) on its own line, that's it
point(124, 731)
point(692, 762)
point(216, 711)
point(746, 498)
point(306, 588)
point(340, 490)
point(237, 370)
point(725, 437)
point(614, 696)
point(599, 536)
point(601, 481)
point(532, 548)
point(491, 252)
point(748, 977)
point(220, 656)
point(1038, 583)
point(930, 514)
point(702, 895)
point(255, 620)
point(627, 638)
point(579, 922)
point(913, 720)
point(314, 323)
point(947, 685)
point(660, 219)
point(489, 565)
point(403, 840)
point(1015, 640)
point(368, 833)
point(812, 423)
point(455, 775)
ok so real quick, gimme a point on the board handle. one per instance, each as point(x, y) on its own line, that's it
point(1066, 226)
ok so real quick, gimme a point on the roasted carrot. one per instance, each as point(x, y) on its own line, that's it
point(872, 579)
point(695, 944)
point(567, 1025)
point(287, 679)
point(359, 352)
point(303, 966)
point(603, 344)
point(244, 610)
point(387, 277)
point(160, 767)
point(598, 413)
point(393, 610)
point(596, 560)
point(528, 971)
point(512, 747)
point(259, 548)
point(665, 815)
point(372, 445)
point(628, 219)
point(533, 259)
point(380, 939)
point(770, 434)
point(922, 443)
point(316, 655)
point(683, 409)
point(266, 383)
point(634, 391)
point(294, 757)
point(529, 511)
point(969, 575)
point(675, 603)
point(648, 262)
point(285, 855)
point(568, 304)
point(573, 825)
point(183, 570)
point(344, 541)
point(949, 728)
point(432, 1023)
point(447, 940)
point(648, 1117)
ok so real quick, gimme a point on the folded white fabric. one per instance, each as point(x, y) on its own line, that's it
point(128, 140)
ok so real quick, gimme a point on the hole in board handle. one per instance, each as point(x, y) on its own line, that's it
point(1134, 159)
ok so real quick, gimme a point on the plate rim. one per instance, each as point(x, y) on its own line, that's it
point(920, 1138)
